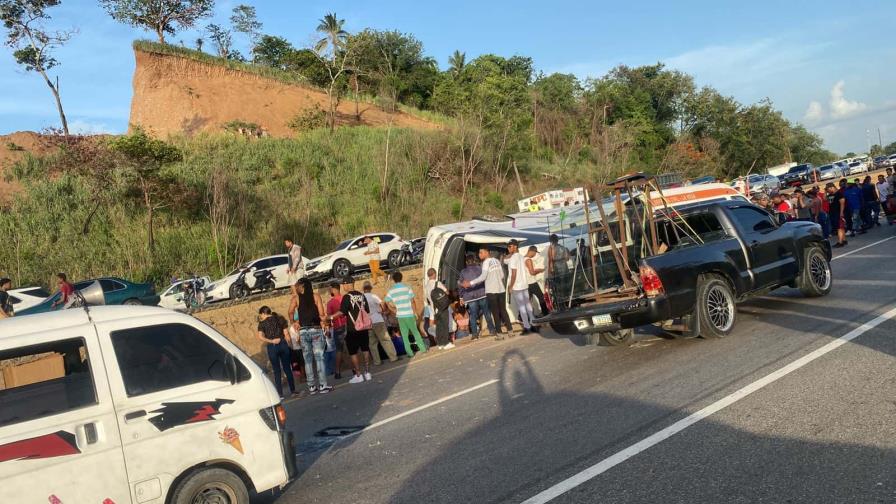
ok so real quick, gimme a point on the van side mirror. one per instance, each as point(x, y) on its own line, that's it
point(232, 369)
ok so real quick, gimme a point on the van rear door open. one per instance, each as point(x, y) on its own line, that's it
point(59, 438)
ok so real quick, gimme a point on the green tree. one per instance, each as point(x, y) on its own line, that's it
point(394, 65)
point(32, 43)
point(142, 159)
point(456, 63)
point(334, 36)
point(221, 38)
point(244, 20)
point(272, 51)
point(159, 16)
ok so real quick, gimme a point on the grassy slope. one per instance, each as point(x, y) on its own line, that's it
point(319, 188)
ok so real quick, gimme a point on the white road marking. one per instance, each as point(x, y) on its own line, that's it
point(851, 252)
point(422, 407)
point(619, 457)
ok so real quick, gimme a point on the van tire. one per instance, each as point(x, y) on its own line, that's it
point(716, 307)
point(213, 481)
point(815, 279)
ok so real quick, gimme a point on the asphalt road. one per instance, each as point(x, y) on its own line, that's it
point(549, 419)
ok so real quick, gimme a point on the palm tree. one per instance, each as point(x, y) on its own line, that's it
point(334, 36)
point(457, 61)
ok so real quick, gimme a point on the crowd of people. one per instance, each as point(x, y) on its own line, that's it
point(843, 209)
point(312, 340)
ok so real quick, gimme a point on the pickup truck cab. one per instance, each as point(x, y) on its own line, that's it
point(124, 404)
point(737, 250)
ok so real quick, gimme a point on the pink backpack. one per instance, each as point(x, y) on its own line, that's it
point(363, 321)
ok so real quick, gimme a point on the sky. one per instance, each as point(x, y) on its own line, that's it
point(828, 64)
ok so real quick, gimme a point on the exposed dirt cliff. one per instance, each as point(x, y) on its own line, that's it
point(174, 94)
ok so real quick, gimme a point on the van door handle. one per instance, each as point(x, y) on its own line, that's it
point(133, 415)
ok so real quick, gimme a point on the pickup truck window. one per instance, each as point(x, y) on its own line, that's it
point(166, 356)
point(44, 380)
point(753, 219)
point(705, 225)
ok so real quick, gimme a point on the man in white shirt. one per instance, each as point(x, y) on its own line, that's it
point(495, 294)
point(519, 285)
point(373, 256)
point(296, 266)
point(378, 334)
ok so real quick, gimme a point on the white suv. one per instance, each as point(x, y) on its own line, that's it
point(349, 256)
point(278, 265)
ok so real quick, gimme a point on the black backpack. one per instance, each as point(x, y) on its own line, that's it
point(440, 299)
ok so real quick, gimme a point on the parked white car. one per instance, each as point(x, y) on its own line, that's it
point(26, 297)
point(349, 256)
point(857, 167)
point(129, 404)
point(173, 297)
point(278, 265)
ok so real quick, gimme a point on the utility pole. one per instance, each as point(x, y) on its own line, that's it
point(879, 141)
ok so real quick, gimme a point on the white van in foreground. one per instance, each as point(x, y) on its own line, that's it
point(127, 404)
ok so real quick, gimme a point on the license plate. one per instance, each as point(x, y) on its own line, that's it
point(602, 320)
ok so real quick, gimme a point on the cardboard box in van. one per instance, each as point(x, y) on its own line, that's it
point(43, 369)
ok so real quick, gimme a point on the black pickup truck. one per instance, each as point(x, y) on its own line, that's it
point(737, 250)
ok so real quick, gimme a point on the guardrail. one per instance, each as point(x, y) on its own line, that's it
point(280, 292)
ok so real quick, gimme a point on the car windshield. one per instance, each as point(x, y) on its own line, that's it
point(825, 167)
point(237, 271)
point(344, 245)
point(855, 164)
point(797, 169)
point(755, 178)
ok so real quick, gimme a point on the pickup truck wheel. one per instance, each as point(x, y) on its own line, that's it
point(716, 310)
point(815, 279)
point(214, 485)
point(617, 338)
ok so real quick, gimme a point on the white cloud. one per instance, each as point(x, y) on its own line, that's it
point(840, 106)
point(814, 113)
point(82, 127)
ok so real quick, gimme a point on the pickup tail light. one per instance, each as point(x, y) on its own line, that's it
point(651, 282)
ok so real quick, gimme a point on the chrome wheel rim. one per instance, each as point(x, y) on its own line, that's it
point(341, 269)
point(720, 308)
point(214, 493)
point(820, 272)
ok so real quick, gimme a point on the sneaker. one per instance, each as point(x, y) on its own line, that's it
point(326, 389)
point(449, 346)
point(312, 389)
point(356, 379)
point(368, 376)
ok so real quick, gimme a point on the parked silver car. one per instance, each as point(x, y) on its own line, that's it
point(830, 172)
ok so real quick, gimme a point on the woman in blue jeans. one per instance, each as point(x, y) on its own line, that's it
point(272, 331)
point(311, 314)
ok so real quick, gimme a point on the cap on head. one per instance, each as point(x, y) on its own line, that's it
point(514, 243)
point(348, 280)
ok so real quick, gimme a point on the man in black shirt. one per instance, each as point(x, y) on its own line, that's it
point(837, 213)
point(357, 340)
point(5, 304)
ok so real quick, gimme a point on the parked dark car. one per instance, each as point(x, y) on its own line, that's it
point(738, 250)
point(115, 290)
point(797, 175)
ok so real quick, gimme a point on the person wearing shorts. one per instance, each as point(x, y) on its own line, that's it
point(357, 341)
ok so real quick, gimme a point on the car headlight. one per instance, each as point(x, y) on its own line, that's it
point(311, 265)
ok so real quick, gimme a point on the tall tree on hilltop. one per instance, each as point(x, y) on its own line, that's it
point(221, 38)
point(333, 42)
point(245, 21)
point(32, 43)
point(456, 62)
point(334, 36)
point(159, 16)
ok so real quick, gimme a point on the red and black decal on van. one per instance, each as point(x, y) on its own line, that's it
point(56, 444)
point(173, 414)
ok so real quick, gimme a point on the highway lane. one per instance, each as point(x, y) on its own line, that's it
point(559, 407)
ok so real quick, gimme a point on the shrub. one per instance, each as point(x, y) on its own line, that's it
point(246, 129)
point(308, 119)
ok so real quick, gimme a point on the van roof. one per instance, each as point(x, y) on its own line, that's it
point(28, 324)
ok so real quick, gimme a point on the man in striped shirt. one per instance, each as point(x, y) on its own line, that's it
point(402, 300)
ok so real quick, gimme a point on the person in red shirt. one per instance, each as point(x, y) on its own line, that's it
point(782, 205)
point(65, 288)
point(337, 326)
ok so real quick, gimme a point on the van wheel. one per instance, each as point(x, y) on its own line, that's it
point(815, 279)
point(716, 309)
point(616, 338)
point(218, 486)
